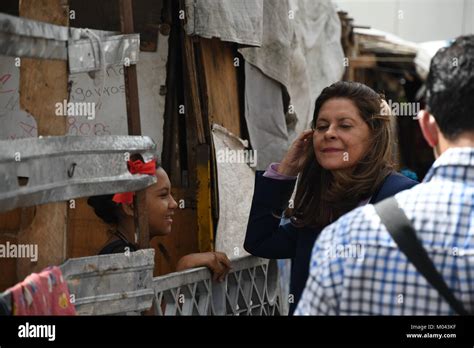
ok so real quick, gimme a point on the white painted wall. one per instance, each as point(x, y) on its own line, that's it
point(414, 20)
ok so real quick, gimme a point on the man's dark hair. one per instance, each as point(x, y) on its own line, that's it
point(450, 87)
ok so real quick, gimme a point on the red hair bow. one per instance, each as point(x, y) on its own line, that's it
point(135, 167)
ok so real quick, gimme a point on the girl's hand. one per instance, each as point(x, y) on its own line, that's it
point(295, 159)
point(217, 262)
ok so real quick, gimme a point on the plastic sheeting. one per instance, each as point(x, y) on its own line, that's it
point(301, 49)
point(265, 116)
point(229, 20)
point(299, 39)
point(236, 182)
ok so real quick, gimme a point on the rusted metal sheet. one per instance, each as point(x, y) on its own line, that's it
point(51, 169)
point(85, 49)
point(111, 284)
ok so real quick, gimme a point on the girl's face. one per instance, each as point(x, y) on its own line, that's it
point(341, 136)
point(160, 205)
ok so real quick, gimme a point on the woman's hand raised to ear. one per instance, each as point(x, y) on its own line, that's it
point(217, 262)
point(295, 159)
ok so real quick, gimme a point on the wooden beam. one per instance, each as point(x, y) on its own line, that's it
point(191, 83)
point(178, 154)
point(204, 203)
point(140, 218)
point(130, 73)
point(42, 84)
point(134, 126)
point(198, 138)
point(86, 233)
point(183, 239)
point(363, 62)
point(219, 87)
point(174, 82)
point(219, 84)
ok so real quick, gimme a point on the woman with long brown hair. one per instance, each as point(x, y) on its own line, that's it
point(344, 161)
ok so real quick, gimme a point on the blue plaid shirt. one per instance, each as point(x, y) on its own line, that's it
point(357, 269)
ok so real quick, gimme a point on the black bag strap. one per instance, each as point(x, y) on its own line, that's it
point(404, 235)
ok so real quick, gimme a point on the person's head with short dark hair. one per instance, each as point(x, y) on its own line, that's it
point(448, 119)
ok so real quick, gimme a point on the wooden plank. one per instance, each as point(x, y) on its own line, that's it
point(220, 83)
point(134, 126)
point(220, 93)
point(204, 203)
point(211, 87)
point(87, 234)
point(10, 224)
point(198, 138)
point(365, 61)
point(174, 82)
point(191, 87)
point(7, 265)
point(140, 219)
point(181, 241)
point(147, 17)
point(42, 84)
point(171, 160)
point(179, 154)
point(10, 221)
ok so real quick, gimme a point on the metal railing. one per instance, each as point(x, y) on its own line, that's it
point(251, 288)
point(123, 284)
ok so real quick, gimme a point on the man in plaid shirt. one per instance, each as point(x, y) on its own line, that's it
point(357, 268)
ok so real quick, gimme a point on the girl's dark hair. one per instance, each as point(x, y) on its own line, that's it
point(323, 196)
point(104, 207)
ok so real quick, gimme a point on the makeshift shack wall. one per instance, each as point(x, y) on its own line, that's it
point(42, 83)
point(219, 90)
point(87, 234)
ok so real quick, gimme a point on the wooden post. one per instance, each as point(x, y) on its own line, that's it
point(191, 83)
point(198, 134)
point(204, 202)
point(134, 126)
point(42, 84)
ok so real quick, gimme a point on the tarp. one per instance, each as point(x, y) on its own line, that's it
point(236, 181)
point(265, 116)
point(229, 20)
point(301, 49)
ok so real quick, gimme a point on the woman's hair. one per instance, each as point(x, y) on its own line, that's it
point(323, 196)
point(105, 208)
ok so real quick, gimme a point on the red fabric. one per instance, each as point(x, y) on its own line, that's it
point(135, 167)
point(125, 197)
point(138, 167)
point(44, 293)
